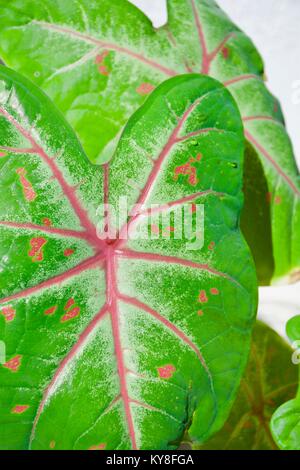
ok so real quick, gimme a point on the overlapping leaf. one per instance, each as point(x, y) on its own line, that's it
point(270, 379)
point(121, 343)
point(285, 422)
point(99, 60)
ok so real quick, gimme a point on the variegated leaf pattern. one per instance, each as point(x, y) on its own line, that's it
point(98, 60)
point(117, 343)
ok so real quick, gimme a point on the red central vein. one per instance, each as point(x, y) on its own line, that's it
point(109, 45)
point(205, 55)
point(88, 263)
point(43, 228)
point(112, 295)
point(68, 190)
point(271, 160)
point(140, 305)
point(83, 338)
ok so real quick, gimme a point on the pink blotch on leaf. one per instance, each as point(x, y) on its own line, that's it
point(211, 246)
point(100, 57)
point(187, 170)
point(225, 52)
point(166, 372)
point(36, 252)
point(145, 89)
point(3, 154)
point(202, 297)
point(14, 363)
point(69, 303)
point(193, 208)
point(28, 190)
point(100, 446)
point(47, 222)
point(214, 291)
point(74, 312)
point(8, 312)
point(103, 70)
point(278, 200)
point(155, 229)
point(68, 252)
point(19, 409)
point(51, 310)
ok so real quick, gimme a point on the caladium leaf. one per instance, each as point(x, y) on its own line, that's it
point(285, 422)
point(269, 380)
point(121, 343)
point(98, 62)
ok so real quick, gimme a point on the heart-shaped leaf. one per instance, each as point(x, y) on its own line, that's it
point(270, 379)
point(98, 62)
point(285, 422)
point(121, 343)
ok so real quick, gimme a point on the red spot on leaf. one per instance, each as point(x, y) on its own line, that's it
point(202, 297)
point(14, 363)
point(211, 246)
point(100, 57)
point(8, 312)
point(193, 208)
point(187, 170)
point(28, 190)
point(277, 200)
point(52, 444)
point(225, 52)
point(68, 252)
point(166, 372)
point(155, 229)
point(47, 222)
point(214, 291)
point(200, 313)
point(145, 89)
point(36, 252)
point(103, 70)
point(100, 446)
point(51, 310)
point(74, 312)
point(69, 304)
point(19, 409)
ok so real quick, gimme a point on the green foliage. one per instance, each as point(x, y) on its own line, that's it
point(270, 378)
point(99, 60)
point(121, 344)
point(285, 423)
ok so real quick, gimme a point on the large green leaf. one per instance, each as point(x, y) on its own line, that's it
point(270, 379)
point(99, 60)
point(116, 343)
point(285, 422)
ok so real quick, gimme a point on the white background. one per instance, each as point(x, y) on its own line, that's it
point(274, 27)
